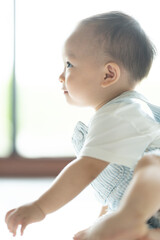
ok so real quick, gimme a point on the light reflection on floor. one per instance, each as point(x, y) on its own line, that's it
point(61, 225)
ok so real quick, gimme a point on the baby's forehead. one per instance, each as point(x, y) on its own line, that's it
point(80, 36)
point(82, 41)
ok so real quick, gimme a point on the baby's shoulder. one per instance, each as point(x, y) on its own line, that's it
point(128, 106)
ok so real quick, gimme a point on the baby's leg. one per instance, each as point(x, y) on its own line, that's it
point(117, 226)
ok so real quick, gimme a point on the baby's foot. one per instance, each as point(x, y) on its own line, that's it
point(82, 235)
point(114, 227)
point(153, 234)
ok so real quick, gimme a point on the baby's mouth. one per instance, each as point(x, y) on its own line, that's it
point(65, 91)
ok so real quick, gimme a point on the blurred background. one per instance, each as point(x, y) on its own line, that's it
point(36, 124)
point(35, 120)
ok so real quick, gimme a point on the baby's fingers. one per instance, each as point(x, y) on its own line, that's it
point(13, 220)
point(13, 225)
point(23, 226)
point(8, 214)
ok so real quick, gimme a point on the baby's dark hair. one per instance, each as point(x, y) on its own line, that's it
point(124, 41)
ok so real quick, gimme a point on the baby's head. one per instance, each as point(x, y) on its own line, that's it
point(123, 41)
point(114, 48)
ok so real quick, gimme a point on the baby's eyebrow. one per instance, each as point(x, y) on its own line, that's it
point(71, 54)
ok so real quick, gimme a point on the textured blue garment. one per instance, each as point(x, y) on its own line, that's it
point(112, 182)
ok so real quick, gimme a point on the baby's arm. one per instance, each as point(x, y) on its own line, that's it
point(70, 182)
point(141, 201)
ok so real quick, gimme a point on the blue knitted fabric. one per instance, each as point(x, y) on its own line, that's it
point(112, 182)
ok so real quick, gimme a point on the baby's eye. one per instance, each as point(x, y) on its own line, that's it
point(68, 65)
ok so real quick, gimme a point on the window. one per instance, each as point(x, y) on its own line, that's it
point(40, 123)
point(6, 63)
point(45, 122)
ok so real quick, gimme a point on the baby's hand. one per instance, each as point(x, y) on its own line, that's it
point(23, 216)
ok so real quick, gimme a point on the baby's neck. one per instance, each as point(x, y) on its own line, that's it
point(113, 93)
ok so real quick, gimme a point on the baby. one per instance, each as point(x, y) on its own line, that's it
point(105, 57)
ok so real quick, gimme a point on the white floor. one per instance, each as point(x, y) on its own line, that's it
point(61, 225)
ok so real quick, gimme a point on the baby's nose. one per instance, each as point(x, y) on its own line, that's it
point(62, 78)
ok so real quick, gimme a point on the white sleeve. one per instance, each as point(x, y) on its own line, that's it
point(120, 135)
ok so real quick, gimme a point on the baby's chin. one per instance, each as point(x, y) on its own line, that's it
point(74, 102)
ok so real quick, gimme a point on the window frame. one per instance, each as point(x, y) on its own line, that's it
point(17, 166)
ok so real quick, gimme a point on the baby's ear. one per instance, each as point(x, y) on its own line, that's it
point(111, 74)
